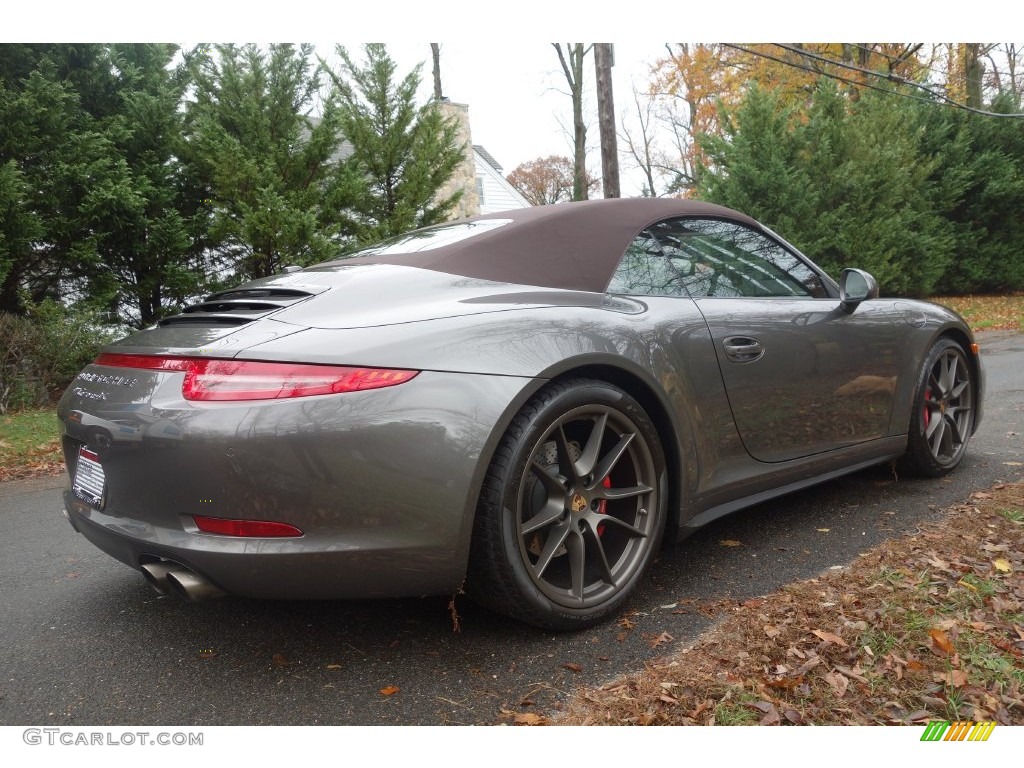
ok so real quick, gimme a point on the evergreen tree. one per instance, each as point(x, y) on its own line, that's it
point(48, 146)
point(144, 203)
point(989, 163)
point(404, 153)
point(756, 166)
point(852, 184)
point(97, 208)
point(276, 192)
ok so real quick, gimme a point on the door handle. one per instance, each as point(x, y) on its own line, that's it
point(742, 349)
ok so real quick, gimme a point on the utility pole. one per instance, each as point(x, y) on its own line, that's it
point(604, 59)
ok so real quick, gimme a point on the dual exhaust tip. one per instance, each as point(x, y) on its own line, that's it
point(169, 578)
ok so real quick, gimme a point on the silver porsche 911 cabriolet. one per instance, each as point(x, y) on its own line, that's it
point(526, 404)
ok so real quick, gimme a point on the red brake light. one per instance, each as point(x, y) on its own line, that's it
point(262, 529)
point(232, 380)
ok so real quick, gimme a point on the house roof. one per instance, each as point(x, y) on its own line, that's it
point(488, 157)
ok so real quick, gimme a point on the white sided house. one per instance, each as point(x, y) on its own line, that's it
point(493, 191)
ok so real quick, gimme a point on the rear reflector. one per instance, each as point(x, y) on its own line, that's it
point(261, 529)
point(210, 379)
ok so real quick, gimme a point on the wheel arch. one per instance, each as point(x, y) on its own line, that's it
point(634, 384)
point(661, 417)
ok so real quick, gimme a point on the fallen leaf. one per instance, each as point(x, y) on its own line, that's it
point(786, 683)
point(660, 640)
point(838, 682)
point(828, 637)
point(730, 543)
point(823, 530)
point(528, 718)
point(771, 631)
point(279, 660)
point(573, 667)
point(1002, 565)
point(967, 584)
point(856, 673)
point(699, 709)
point(940, 642)
point(389, 690)
point(334, 666)
point(955, 677)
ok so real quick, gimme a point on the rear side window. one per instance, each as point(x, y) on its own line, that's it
point(644, 270)
point(712, 257)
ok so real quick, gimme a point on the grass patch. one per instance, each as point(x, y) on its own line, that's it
point(988, 313)
point(1013, 515)
point(925, 627)
point(30, 444)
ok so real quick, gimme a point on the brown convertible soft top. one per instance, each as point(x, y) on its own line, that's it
point(572, 246)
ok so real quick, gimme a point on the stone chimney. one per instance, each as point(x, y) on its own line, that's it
point(464, 177)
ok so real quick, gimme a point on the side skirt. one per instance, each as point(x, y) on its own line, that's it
point(890, 448)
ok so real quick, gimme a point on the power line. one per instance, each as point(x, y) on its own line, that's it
point(891, 76)
point(834, 76)
point(894, 78)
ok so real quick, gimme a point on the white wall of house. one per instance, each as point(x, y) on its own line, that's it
point(495, 193)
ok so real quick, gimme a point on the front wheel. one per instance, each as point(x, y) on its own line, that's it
point(572, 510)
point(943, 417)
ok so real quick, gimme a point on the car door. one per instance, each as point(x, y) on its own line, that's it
point(802, 375)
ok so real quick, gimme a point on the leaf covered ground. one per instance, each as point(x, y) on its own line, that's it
point(925, 627)
point(29, 445)
point(988, 313)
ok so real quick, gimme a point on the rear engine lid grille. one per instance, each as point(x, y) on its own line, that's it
point(238, 306)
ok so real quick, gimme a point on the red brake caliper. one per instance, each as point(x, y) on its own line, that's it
point(602, 505)
point(927, 414)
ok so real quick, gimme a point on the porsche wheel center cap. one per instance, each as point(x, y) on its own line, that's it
point(577, 503)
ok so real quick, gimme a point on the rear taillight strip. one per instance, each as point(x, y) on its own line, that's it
point(214, 379)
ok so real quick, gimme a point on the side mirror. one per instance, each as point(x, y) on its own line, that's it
point(855, 286)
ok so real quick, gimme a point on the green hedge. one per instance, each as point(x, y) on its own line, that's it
point(42, 352)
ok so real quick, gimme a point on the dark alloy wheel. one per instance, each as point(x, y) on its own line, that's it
point(943, 418)
point(573, 508)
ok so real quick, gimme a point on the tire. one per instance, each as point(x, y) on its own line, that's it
point(572, 510)
point(942, 418)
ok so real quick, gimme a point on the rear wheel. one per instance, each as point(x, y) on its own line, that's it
point(572, 509)
point(943, 417)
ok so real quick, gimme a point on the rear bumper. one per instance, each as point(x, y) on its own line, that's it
point(383, 485)
point(286, 569)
